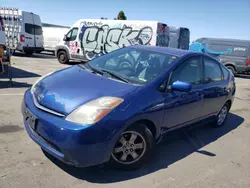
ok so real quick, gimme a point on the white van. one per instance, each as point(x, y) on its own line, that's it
point(89, 38)
point(23, 30)
point(2, 33)
point(52, 35)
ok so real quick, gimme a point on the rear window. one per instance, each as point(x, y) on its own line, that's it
point(229, 50)
point(33, 29)
point(185, 32)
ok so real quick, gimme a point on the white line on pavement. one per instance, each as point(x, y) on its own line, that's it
point(242, 85)
point(11, 94)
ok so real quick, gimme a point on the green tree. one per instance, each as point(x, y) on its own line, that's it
point(121, 16)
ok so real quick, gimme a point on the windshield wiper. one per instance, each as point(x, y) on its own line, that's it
point(102, 71)
point(94, 69)
point(116, 76)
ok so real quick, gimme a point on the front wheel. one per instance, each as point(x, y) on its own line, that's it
point(62, 57)
point(133, 147)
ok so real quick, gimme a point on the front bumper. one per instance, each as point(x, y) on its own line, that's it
point(71, 143)
point(242, 69)
point(28, 48)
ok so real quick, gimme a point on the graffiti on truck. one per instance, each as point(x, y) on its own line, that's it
point(100, 39)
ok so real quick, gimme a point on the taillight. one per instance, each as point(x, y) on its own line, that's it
point(247, 61)
point(22, 38)
point(1, 23)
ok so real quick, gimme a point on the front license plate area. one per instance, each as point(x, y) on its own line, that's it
point(30, 118)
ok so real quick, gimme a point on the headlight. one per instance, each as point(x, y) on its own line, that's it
point(37, 81)
point(94, 111)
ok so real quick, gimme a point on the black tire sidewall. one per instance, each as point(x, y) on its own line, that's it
point(66, 60)
point(216, 123)
point(150, 143)
point(231, 69)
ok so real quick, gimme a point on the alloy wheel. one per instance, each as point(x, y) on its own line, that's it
point(222, 115)
point(130, 147)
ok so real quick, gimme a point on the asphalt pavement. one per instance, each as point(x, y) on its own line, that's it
point(197, 157)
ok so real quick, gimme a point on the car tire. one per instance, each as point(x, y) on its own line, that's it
point(222, 116)
point(232, 69)
point(62, 57)
point(133, 147)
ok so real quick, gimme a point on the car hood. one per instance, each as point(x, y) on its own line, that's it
point(67, 89)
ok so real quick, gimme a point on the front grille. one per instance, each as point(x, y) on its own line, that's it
point(46, 109)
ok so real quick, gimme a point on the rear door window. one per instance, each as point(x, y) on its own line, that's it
point(29, 28)
point(212, 71)
point(33, 29)
point(38, 30)
point(225, 72)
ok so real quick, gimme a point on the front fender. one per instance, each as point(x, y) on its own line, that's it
point(62, 47)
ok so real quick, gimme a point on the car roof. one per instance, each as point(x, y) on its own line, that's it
point(164, 50)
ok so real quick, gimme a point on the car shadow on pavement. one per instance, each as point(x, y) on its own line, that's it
point(175, 146)
point(19, 73)
point(13, 84)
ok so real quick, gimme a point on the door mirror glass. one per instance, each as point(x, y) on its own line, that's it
point(181, 86)
point(65, 38)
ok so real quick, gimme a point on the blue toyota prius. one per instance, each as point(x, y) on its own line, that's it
point(117, 106)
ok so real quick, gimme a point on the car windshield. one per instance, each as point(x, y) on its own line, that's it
point(133, 65)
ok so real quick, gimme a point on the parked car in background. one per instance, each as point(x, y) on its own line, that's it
point(179, 37)
point(52, 35)
point(233, 53)
point(23, 30)
point(117, 106)
point(89, 38)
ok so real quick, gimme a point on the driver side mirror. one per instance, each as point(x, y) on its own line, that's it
point(65, 38)
point(181, 86)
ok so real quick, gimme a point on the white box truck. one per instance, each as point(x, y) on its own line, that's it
point(52, 35)
point(23, 30)
point(89, 38)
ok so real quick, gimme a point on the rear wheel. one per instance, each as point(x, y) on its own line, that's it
point(232, 69)
point(62, 57)
point(133, 147)
point(222, 116)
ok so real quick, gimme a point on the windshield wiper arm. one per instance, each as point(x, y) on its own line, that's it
point(94, 69)
point(116, 76)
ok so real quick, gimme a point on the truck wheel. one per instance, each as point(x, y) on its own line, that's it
point(62, 57)
point(232, 69)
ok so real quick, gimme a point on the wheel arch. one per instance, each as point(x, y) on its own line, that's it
point(150, 125)
point(62, 48)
